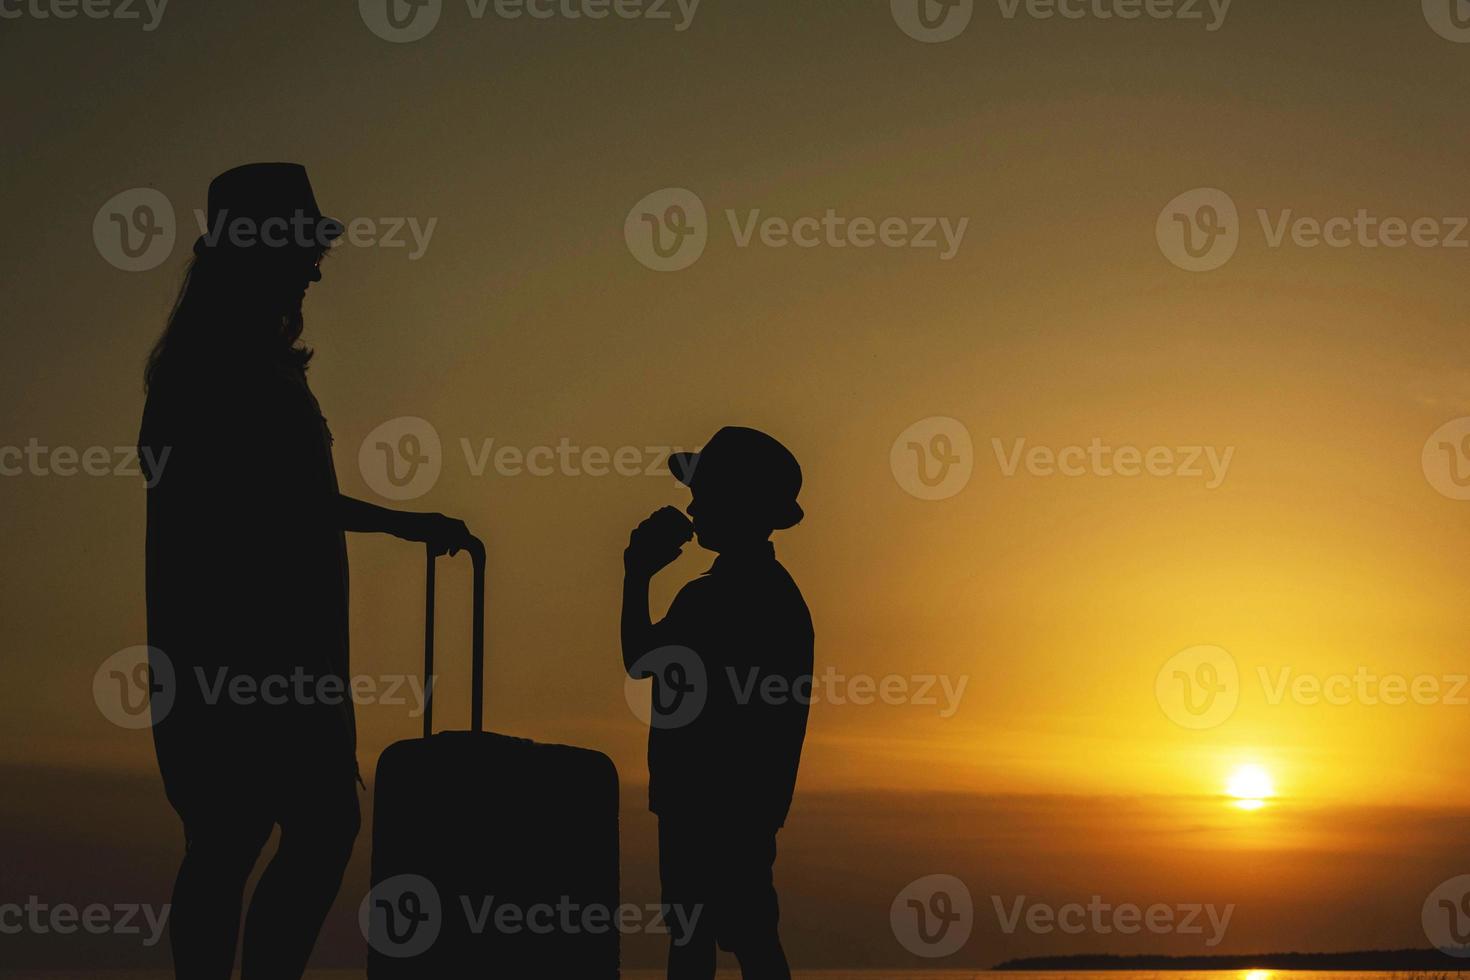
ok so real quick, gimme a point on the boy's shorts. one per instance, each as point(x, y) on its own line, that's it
point(722, 873)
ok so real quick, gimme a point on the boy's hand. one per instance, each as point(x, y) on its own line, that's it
point(656, 542)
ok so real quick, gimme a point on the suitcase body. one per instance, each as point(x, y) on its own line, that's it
point(493, 856)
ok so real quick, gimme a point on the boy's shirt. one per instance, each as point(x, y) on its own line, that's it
point(737, 758)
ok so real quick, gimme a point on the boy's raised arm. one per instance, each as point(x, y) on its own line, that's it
point(653, 546)
point(637, 625)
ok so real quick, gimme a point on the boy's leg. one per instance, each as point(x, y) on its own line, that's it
point(683, 867)
point(765, 962)
point(693, 961)
point(750, 927)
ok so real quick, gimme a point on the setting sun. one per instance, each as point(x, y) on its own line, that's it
point(1251, 786)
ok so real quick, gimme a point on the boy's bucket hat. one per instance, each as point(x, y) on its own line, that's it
point(749, 463)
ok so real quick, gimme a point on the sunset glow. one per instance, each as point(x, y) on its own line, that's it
point(1134, 582)
point(1251, 787)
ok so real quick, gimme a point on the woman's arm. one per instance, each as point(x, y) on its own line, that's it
point(446, 534)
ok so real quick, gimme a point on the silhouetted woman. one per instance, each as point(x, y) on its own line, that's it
point(247, 586)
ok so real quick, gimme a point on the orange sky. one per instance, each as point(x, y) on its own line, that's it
point(1055, 600)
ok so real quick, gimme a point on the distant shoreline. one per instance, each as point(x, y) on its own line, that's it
point(1369, 960)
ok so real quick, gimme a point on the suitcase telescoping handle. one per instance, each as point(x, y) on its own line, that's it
point(476, 551)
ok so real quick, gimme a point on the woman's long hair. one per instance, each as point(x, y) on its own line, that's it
point(227, 318)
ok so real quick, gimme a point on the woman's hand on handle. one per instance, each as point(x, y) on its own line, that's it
point(444, 535)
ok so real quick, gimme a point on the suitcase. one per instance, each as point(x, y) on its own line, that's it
point(493, 857)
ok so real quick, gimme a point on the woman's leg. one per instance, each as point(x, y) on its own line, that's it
point(204, 924)
point(319, 823)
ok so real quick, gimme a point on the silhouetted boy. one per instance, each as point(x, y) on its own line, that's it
point(731, 665)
